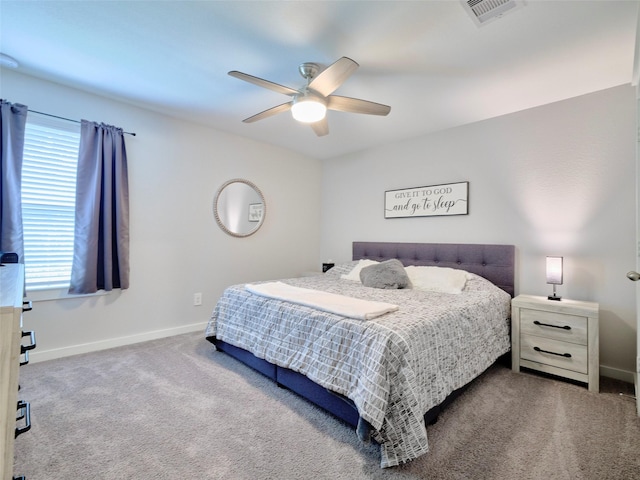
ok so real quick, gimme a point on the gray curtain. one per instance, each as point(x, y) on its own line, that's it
point(13, 118)
point(101, 244)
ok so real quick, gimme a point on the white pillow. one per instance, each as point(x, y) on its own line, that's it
point(437, 279)
point(354, 275)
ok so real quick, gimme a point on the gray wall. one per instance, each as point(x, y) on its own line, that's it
point(558, 179)
point(175, 168)
point(554, 180)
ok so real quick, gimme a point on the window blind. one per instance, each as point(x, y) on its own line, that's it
point(48, 202)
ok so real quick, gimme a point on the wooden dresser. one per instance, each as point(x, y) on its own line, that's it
point(11, 307)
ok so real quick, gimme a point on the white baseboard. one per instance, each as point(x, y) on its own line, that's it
point(618, 374)
point(38, 355)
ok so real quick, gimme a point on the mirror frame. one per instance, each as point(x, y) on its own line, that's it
point(217, 216)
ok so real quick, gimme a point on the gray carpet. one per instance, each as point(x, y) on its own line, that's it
point(176, 409)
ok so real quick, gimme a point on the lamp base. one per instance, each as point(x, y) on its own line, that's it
point(554, 297)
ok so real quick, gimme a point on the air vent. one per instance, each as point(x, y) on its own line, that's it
point(485, 11)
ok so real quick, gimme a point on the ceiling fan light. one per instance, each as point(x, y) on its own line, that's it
point(308, 110)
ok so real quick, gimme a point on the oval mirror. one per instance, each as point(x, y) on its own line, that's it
point(239, 207)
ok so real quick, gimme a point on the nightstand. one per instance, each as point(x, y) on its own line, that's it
point(556, 337)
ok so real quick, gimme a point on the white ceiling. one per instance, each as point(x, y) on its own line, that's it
point(426, 59)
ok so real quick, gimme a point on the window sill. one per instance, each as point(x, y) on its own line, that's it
point(52, 294)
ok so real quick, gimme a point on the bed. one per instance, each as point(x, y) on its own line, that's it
point(388, 376)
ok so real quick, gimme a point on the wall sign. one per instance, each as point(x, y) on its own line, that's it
point(434, 200)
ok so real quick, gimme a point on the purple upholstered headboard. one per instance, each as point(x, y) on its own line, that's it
point(496, 263)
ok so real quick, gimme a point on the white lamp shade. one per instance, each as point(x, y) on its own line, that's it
point(554, 270)
point(308, 110)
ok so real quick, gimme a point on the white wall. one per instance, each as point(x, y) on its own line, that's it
point(175, 168)
point(558, 179)
point(554, 180)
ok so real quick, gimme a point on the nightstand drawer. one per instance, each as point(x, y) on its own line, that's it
point(558, 326)
point(569, 356)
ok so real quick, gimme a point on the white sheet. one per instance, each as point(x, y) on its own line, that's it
point(325, 301)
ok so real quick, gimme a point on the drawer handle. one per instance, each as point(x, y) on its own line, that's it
point(32, 345)
point(25, 408)
point(564, 327)
point(32, 337)
point(26, 358)
point(538, 349)
point(24, 349)
point(27, 306)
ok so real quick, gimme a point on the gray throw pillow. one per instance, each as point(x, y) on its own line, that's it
point(387, 274)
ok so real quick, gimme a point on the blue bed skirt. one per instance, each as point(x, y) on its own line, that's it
point(334, 403)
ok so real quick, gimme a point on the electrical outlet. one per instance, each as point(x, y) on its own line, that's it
point(197, 299)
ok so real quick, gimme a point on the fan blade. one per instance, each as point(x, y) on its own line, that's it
point(333, 76)
point(276, 87)
point(355, 105)
point(321, 127)
point(269, 112)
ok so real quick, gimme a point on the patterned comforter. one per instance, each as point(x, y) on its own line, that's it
point(394, 367)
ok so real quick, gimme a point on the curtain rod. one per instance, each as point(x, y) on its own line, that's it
point(69, 119)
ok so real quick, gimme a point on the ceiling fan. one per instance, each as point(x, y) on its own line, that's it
point(311, 102)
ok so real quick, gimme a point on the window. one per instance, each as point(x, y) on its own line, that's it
point(48, 201)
